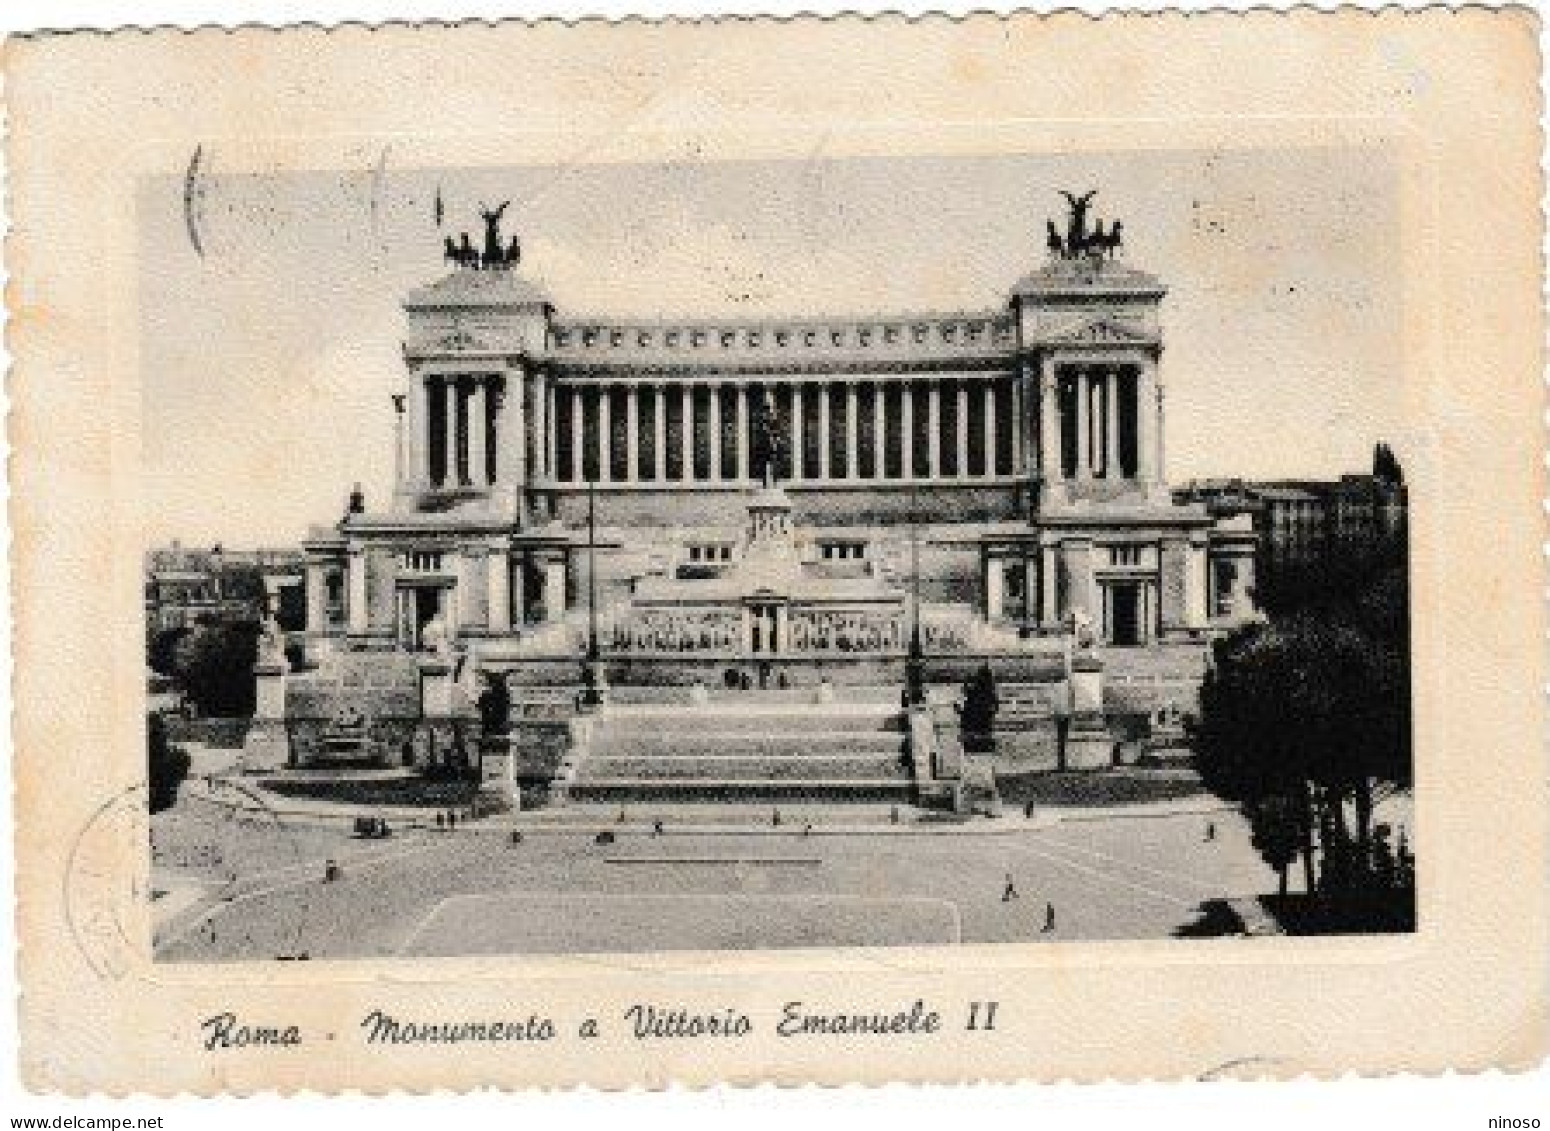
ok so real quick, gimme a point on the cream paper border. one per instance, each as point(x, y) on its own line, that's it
point(1454, 92)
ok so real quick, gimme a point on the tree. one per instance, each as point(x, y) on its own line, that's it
point(214, 662)
point(166, 765)
point(1300, 718)
point(494, 705)
point(1385, 465)
point(980, 705)
point(161, 650)
point(1276, 833)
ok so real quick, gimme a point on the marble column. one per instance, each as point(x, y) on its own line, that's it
point(535, 439)
point(852, 432)
point(879, 429)
point(1019, 420)
point(357, 611)
point(518, 582)
point(419, 432)
point(554, 590)
point(605, 433)
point(1051, 459)
point(1196, 614)
point(1149, 425)
point(498, 568)
point(632, 433)
point(907, 429)
point(511, 458)
point(1145, 457)
point(995, 588)
point(659, 429)
point(317, 597)
point(961, 464)
point(990, 429)
point(546, 431)
point(743, 439)
point(713, 430)
point(478, 427)
point(687, 399)
point(1084, 438)
point(578, 436)
point(455, 612)
point(1112, 468)
point(1049, 587)
point(798, 458)
point(401, 464)
point(824, 426)
point(449, 477)
point(1030, 594)
point(933, 428)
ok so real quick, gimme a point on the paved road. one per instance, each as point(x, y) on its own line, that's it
point(1113, 878)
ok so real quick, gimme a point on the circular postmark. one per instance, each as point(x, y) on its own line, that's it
point(162, 887)
point(105, 884)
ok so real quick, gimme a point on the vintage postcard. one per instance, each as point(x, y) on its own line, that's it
point(811, 551)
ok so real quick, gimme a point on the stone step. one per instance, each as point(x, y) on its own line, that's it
point(811, 719)
point(690, 744)
point(714, 790)
point(739, 768)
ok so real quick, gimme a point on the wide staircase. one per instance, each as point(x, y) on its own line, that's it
point(747, 750)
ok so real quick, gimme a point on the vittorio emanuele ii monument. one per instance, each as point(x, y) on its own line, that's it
point(757, 560)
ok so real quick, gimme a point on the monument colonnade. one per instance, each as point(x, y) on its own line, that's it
point(1088, 420)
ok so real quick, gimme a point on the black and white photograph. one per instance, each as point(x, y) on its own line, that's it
point(620, 582)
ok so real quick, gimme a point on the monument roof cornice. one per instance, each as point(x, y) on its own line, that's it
point(1085, 278)
point(756, 367)
point(929, 341)
point(469, 289)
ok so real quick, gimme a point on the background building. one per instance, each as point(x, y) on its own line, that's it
point(1301, 523)
point(185, 586)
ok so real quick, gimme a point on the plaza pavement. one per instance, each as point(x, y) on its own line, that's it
point(1118, 875)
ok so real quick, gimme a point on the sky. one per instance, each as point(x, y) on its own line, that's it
point(269, 360)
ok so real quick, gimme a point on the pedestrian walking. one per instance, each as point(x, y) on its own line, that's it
point(1210, 830)
point(451, 819)
point(1009, 892)
point(775, 817)
point(893, 815)
point(516, 836)
point(1049, 917)
point(441, 820)
point(1028, 810)
point(656, 827)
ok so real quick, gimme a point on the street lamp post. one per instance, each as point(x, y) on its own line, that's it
point(1035, 501)
point(594, 680)
point(915, 664)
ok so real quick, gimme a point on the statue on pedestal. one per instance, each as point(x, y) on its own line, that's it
point(1076, 223)
point(1080, 242)
point(1083, 637)
point(494, 253)
point(434, 637)
point(271, 643)
point(769, 444)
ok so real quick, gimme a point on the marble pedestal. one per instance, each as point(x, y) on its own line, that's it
point(435, 688)
point(266, 745)
point(1089, 744)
